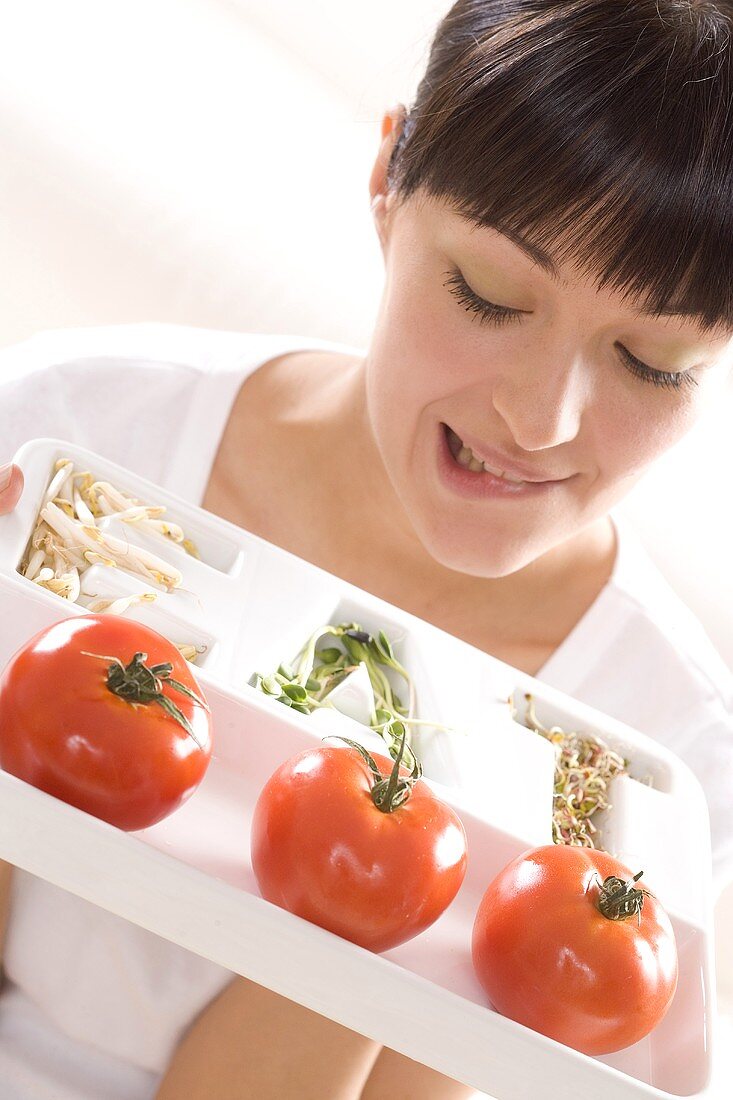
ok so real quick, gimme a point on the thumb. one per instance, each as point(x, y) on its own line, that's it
point(11, 486)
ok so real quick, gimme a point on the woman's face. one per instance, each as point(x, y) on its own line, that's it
point(548, 387)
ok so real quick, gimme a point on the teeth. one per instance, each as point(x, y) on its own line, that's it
point(516, 480)
point(468, 460)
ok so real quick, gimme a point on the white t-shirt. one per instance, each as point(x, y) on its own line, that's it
point(94, 1006)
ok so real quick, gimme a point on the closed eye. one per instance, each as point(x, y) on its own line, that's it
point(486, 311)
point(499, 315)
point(673, 380)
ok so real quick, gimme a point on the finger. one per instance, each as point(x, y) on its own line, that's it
point(11, 487)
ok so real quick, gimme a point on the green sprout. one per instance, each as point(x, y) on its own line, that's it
point(305, 685)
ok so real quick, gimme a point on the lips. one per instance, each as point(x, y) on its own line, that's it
point(495, 461)
point(472, 481)
point(465, 457)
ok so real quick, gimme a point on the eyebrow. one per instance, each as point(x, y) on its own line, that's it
point(538, 255)
point(545, 261)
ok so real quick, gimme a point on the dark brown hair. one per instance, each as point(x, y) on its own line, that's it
point(609, 122)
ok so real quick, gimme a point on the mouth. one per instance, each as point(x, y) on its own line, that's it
point(465, 457)
point(465, 475)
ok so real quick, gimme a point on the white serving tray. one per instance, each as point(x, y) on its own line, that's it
point(189, 878)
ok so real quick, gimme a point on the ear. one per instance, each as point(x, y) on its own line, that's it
point(392, 122)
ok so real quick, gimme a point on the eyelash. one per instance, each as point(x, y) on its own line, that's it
point(500, 315)
point(487, 311)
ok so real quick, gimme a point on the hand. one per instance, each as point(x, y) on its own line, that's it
point(11, 487)
point(6, 872)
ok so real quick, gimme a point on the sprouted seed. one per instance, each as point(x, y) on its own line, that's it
point(66, 540)
point(190, 652)
point(584, 768)
point(190, 548)
point(118, 606)
point(304, 685)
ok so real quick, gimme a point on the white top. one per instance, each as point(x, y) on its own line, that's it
point(94, 1006)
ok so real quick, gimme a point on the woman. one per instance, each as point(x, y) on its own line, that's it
point(555, 213)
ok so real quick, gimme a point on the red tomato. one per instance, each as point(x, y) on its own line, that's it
point(75, 724)
point(323, 849)
point(549, 958)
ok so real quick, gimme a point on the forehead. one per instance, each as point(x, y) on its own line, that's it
point(558, 266)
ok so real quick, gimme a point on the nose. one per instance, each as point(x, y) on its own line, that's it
point(541, 400)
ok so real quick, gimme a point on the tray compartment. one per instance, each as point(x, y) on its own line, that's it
point(658, 827)
point(642, 827)
point(404, 644)
point(215, 553)
point(650, 768)
point(291, 599)
point(287, 600)
point(202, 594)
point(26, 609)
point(481, 752)
point(100, 579)
point(42, 608)
point(219, 551)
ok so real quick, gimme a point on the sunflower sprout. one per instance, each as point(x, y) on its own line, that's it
point(305, 684)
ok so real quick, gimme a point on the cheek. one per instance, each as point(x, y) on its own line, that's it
point(409, 367)
point(635, 429)
point(423, 350)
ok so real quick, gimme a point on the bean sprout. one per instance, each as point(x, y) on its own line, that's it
point(67, 540)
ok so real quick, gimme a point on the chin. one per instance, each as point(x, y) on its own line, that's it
point(474, 553)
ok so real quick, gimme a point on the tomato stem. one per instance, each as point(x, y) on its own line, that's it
point(619, 900)
point(139, 684)
point(388, 792)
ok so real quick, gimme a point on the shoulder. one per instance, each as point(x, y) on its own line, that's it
point(170, 355)
point(660, 672)
point(640, 653)
point(662, 631)
point(146, 343)
point(130, 391)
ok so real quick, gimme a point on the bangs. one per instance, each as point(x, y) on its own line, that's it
point(600, 131)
